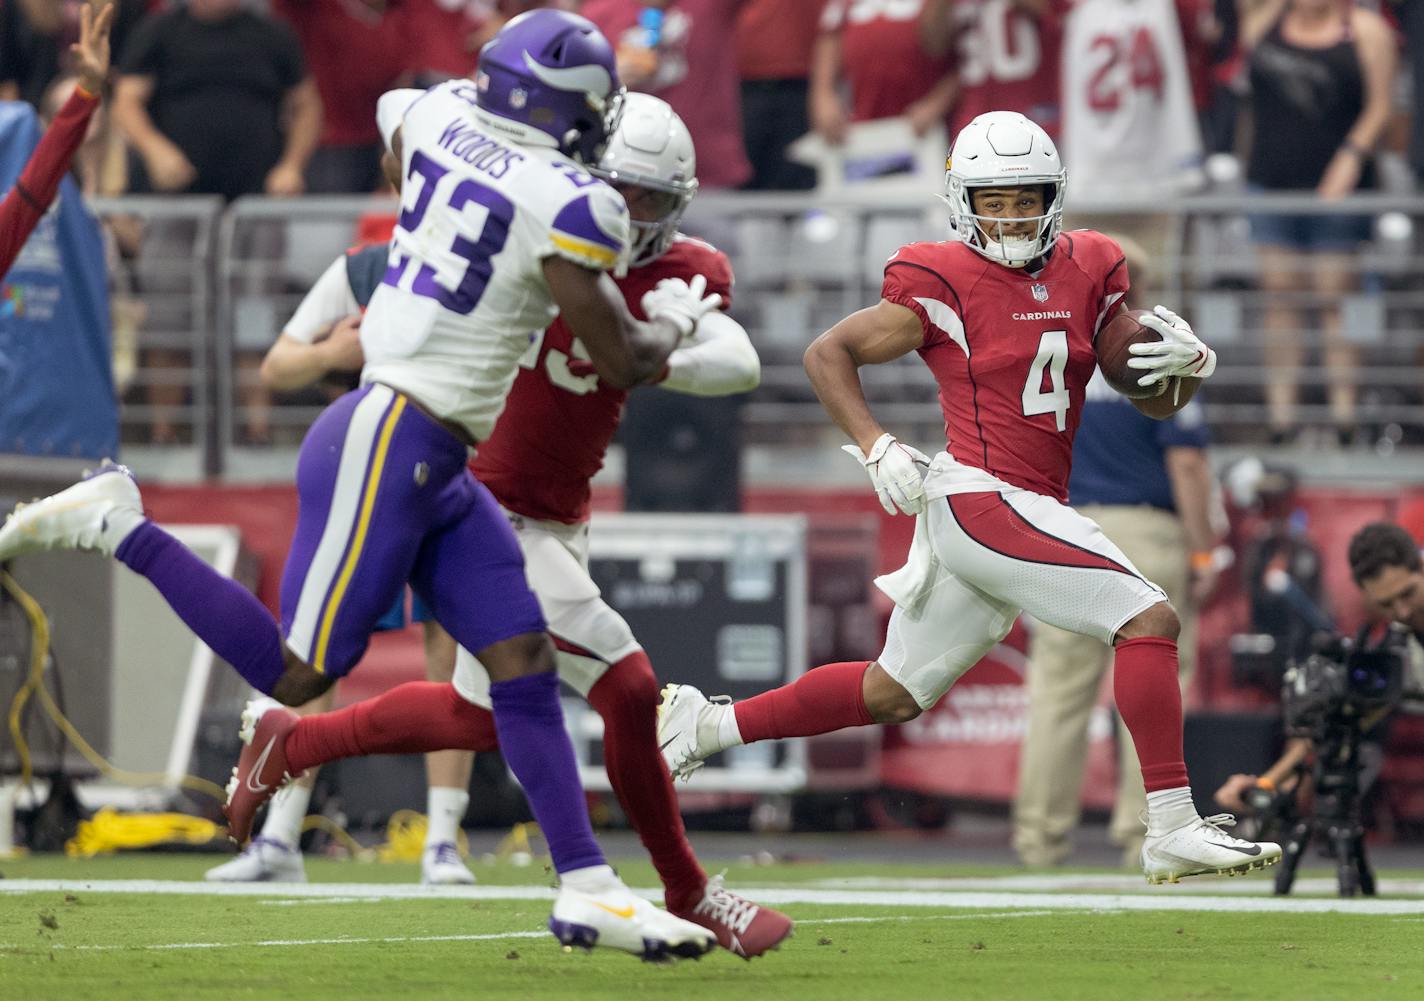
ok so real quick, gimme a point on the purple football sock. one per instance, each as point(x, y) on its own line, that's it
point(223, 613)
point(537, 749)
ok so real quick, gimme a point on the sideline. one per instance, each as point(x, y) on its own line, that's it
point(1158, 900)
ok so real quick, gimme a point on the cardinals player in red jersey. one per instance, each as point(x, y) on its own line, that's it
point(549, 442)
point(1005, 318)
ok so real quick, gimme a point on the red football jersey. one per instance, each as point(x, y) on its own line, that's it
point(555, 429)
point(881, 55)
point(1008, 60)
point(1012, 352)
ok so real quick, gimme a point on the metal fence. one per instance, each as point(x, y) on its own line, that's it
point(204, 291)
point(162, 264)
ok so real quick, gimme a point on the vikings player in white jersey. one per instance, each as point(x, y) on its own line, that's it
point(500, 230)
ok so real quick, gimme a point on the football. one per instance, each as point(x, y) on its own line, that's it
point(1121, 332)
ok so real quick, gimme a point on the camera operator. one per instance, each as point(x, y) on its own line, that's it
point(1386, 566)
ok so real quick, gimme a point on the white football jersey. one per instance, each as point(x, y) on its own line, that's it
point(1129, 126)
point(464, 290)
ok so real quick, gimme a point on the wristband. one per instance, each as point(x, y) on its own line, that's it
point(1203, 559)
point(1266, 784)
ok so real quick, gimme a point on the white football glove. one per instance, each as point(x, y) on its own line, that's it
point(680, 303)
point(897, 471)
point(1179, 353)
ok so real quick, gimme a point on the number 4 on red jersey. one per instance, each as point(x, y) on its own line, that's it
point(1011, 349)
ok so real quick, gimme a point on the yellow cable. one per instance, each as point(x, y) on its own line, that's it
point(39, 625)
point(318, 822)
point(405, 838)
point(108, 831)
point(39, 651)
point(405, 834)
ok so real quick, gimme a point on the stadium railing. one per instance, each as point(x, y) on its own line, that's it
point(166, 343)
point(803, 261)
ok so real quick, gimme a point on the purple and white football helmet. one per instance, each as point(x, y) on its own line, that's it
point(551, 72)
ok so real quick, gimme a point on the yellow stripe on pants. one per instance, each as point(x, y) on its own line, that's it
point(363, 525)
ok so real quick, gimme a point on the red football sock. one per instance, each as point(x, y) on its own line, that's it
point(409, 719)
point(823, 699)
point(1149, 700)
point(627, 699)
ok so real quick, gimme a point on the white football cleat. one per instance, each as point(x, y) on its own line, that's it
point(1202, 848)
point(97, 513)
point(264, 860)
point(688, 725)
point(441, 865)
point(612, 916)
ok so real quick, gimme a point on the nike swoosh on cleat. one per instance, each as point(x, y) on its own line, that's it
point(260, 787)
point(618, 912)
point(1248, 850)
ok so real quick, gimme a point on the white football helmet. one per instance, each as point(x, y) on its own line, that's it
point(1003, 149)
point(652, 149)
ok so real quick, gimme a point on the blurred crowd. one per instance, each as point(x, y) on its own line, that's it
point(1146, 98)
point(233, 97)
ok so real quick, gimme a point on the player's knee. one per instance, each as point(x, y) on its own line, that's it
point(518, 657)
point(892, 706)
point(628, 688)
point(886, 700)
point(1158, 621)
point(300, 683)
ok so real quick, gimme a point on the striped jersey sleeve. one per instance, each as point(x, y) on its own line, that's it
point(591, 229)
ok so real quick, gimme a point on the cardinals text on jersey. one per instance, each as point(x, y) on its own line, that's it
point(1011, 350)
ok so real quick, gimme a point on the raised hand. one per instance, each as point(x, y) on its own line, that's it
point(91, 52)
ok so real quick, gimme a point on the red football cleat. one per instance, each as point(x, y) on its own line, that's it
point(261, 768)
point(742, 927)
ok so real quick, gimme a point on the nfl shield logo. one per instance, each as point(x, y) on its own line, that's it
point(1040, 291)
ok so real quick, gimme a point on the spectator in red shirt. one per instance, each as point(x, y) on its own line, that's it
point(774, 40)
point(32, 194)
point(442, 38)
point(686, 59)
point(1008, 55)
point(874, 47)
point(356, 54)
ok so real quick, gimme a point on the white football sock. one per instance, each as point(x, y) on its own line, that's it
point(1169, 809)
point(590, 879)
point(286, 813)
point(728, 734)
point(445, 808)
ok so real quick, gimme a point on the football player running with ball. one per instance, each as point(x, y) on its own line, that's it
point(501, 229)
point(1005, 317)
point(546, 447)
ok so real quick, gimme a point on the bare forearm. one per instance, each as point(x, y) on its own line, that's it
point(293, 365)
point(936, 28)
point(835, 376)
point(305, 129)
point(1189, 471)
point(132, 118)
point(825, 66)
point(1297, 750)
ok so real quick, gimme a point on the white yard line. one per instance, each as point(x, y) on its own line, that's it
point(1163, 899)
point(495, 937)
point(1259, 884)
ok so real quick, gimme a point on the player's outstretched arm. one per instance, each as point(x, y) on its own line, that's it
point(871, 336)
point(623, 350)
point(719, 361)
point(26, 203)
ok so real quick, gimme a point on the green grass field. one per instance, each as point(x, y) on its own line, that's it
point(864, 931)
